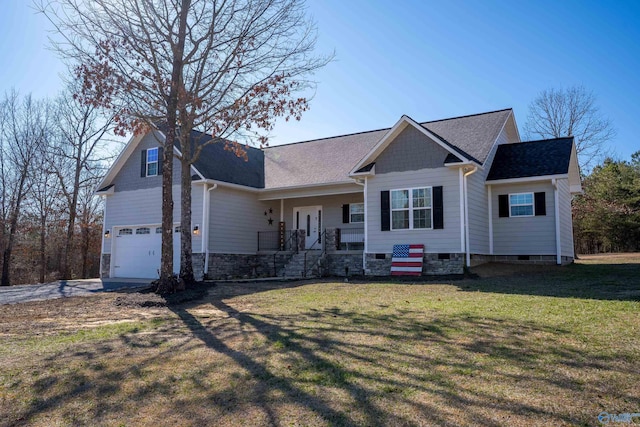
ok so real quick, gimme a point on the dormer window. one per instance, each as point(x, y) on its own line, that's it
point(152, 162)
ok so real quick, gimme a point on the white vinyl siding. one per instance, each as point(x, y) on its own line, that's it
point(525, 235)
point(435, 241)
point(566, 224)
point(128, 178)
point(477, 199)
point(235, 218)
point(142, 208)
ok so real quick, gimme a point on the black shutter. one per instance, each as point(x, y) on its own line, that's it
point(160, 151)
point(345, 214)
point(503, 205)
point(143, 164)
point(385, 211)
point(438, 208)
point(540, 204)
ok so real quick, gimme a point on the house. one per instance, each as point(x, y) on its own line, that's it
point(466, 188)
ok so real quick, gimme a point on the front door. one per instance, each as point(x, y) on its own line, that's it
point(309, 219)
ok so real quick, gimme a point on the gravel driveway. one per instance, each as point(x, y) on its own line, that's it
point(65, 288)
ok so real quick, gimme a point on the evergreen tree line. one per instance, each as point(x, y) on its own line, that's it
point(606, 218)
point(51, 158)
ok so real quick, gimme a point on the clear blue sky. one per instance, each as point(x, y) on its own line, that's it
point(427, 59)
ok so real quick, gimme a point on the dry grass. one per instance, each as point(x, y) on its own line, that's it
point(533, 346)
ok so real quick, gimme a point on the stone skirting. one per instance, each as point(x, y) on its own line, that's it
point(434, 264)
point(336, 264)
point(231, 266)
point(105, 266)
point(520, 259)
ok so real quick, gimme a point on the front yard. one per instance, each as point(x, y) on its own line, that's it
point(532, 346)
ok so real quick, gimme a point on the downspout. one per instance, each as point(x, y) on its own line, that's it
point(466, 215)
point(490, 211)
point(556, 207)
point(206, 209)
point(366, 240)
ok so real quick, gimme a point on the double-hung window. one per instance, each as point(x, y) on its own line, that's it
point(356, 212)
point(152, 162)
point(411, 209)
point(521, 204)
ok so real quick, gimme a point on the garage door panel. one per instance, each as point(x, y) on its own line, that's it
point(138, 255)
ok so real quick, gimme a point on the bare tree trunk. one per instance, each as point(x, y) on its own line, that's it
point(166, 284)
point(13, 227)
point(186, 254)
point(43, 247)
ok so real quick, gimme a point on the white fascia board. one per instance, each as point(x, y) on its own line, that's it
point(393, 133)
point(526, 179)
point(228, 185)
point(106, 192)
point(575, 183)
point(515, 125)
point(122, 157)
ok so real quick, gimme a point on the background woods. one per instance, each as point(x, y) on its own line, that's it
point(51, 153)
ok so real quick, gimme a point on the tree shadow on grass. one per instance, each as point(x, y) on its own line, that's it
point(620, 282)
point(337, 366)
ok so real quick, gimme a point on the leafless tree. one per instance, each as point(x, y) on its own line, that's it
point(78, 155)
point(557, 113)
point(24, 134)
point(44, 203)
point(229, 68)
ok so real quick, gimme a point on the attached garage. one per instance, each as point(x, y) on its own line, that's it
point(136, 251)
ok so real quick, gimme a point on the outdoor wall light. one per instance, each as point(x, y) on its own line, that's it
point(196, 230)
point(107, 234)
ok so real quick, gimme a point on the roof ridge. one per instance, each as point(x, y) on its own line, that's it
point(467, 115)
point(387, 128)
point(328, 137)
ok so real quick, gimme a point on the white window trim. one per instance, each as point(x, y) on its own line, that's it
point(532, 204)
point(410, 208)
point(157, 161)
point(350, 214)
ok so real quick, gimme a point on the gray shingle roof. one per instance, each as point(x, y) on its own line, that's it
point(317, 162)
point(330, 160)
point(533, 158)
point(473, 135)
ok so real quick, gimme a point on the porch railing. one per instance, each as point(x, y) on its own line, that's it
point(270, 241)
point(351, 239)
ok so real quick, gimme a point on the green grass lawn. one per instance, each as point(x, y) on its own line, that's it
point(534, 346)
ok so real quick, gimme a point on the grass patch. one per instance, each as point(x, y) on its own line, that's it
point(533, 346)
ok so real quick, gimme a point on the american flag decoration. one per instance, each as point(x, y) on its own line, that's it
point(407, 260)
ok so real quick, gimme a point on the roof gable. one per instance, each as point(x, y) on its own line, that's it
point(466, 138)
point(472, 135)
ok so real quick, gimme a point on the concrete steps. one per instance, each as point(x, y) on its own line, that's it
point(296, 265)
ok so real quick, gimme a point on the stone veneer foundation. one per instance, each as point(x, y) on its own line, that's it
point(434, 264)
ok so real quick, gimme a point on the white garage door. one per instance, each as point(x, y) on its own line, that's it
point(137, 252)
